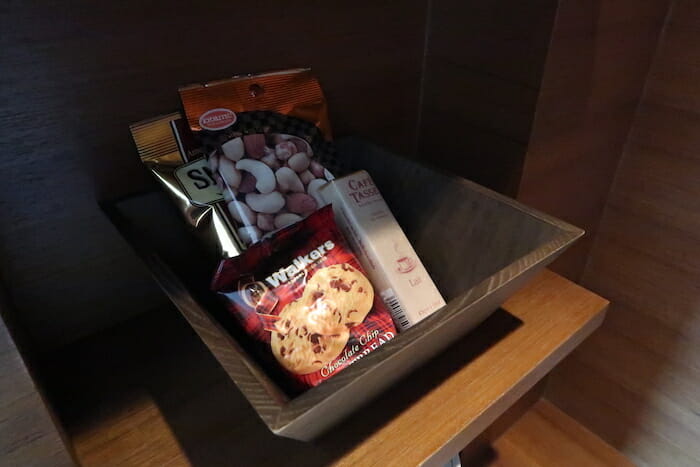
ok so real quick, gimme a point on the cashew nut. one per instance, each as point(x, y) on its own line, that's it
point(285, 219)
point(284, 150)
point(249, 234)
point(233, 149)
point(228, 172)
point(254, 145)
point(242, 213)
point(288, 180)
point(268, 203)
point(316, 169)
point(306, 177)
point(301, 203)
point(271, 161)
point(312, 189)
point(265, 178)
point(299, 162)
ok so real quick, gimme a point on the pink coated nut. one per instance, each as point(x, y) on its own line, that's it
point(317, 169)
point(312, 189)
point(285, 150)
point(233, 149)
point(288, 180)
point(306, 177)
point(271, 161)
point(266, 222)
point(249, 234)
point(264, 176)
point(229, 173)
point(247, 183)
point(300, 203)
point(254, 145)
point(268, 203)
point(302, 145)
point(299, 162)
point(242, 213)
point(285, 219)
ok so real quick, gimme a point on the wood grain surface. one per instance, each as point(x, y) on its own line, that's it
point(635, 382)
point(547, 437)
point(483, 68)
point(75, 74)
point(596, 67)
point(28, 434)
point(480, 450)
point(134, 399)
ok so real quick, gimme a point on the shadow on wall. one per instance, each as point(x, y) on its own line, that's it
point(483, 70)
point(76, 74)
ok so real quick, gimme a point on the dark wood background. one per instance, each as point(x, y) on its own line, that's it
point(483, 71)
point(76, 73)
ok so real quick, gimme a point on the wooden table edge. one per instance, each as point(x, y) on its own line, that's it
point(592, 309)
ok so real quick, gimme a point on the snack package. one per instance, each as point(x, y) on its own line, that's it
point(306, 301)
point(167, 148)
point(266, 138)
point(382, 248)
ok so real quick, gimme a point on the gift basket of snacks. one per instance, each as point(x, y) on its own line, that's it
point(321, 273)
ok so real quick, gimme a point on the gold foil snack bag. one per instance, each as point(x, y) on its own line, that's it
point(167, 148)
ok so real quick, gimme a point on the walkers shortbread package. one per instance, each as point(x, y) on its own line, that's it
point(306, 301)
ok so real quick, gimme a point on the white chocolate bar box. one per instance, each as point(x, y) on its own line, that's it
point(382, 248)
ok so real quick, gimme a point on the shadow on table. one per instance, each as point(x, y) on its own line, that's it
point(158, 354)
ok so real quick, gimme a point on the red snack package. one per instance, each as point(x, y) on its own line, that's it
point(304, 298)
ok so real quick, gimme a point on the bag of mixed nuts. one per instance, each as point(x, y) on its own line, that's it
point(266, 138)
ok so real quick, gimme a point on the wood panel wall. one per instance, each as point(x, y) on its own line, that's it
point(75, 74)
point(636, 381)
point(483, 69)
point(596, 68)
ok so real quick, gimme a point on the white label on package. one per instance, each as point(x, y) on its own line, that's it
point(197, 181)
point(382, 248)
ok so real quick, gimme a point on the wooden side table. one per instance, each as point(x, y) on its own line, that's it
point(184, 408)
